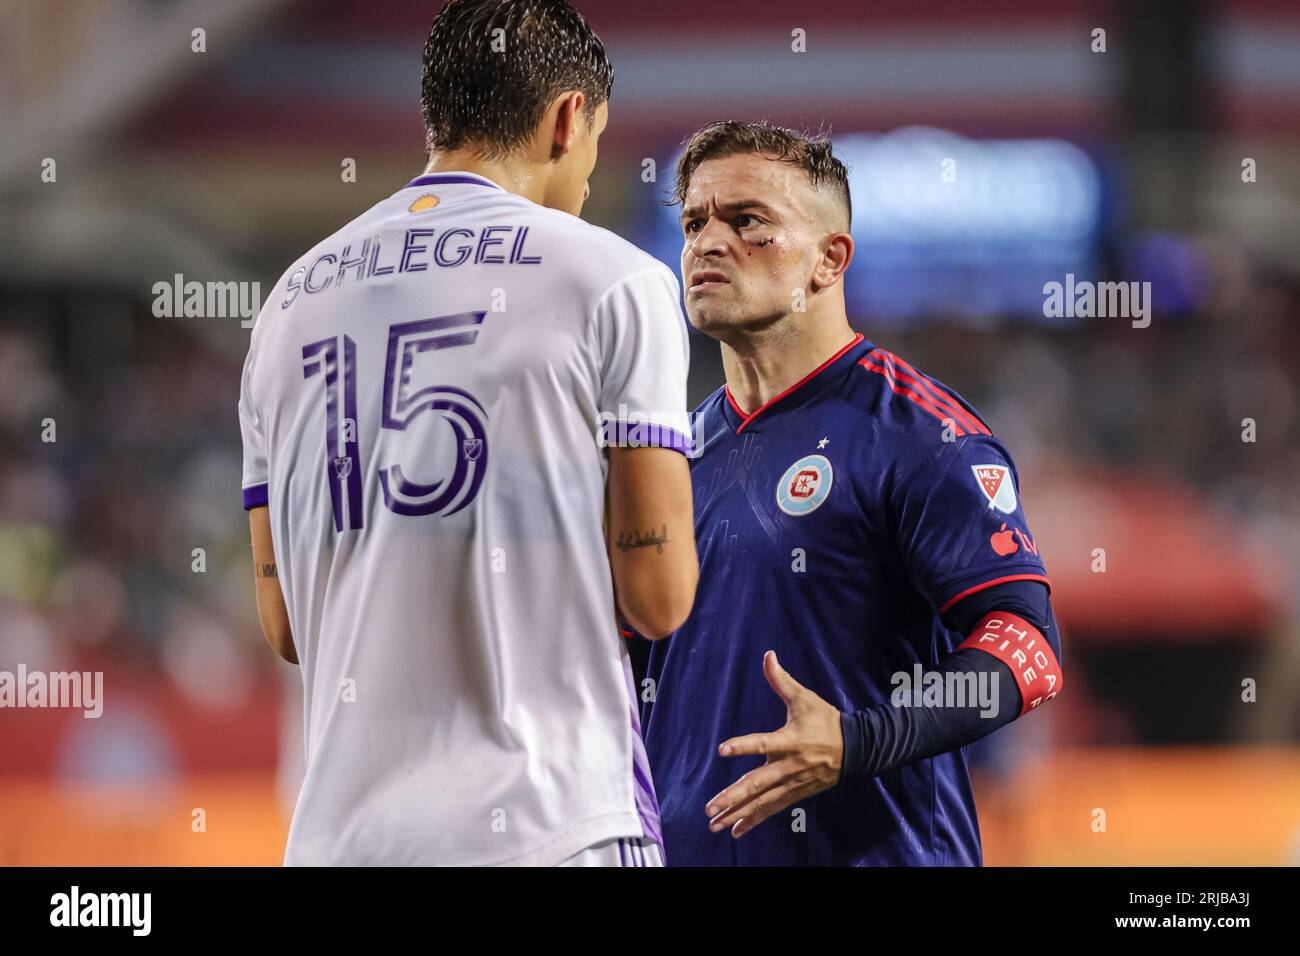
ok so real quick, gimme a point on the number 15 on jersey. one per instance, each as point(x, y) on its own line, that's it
point(460, 410)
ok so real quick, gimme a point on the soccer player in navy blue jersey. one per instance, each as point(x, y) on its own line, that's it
point(861, 540)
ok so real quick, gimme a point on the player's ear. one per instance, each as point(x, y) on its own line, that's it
point(836, 254)
point(567, 114)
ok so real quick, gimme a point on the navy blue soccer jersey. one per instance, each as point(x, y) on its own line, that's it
point(835, 525)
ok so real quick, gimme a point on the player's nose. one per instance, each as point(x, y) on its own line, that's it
point(711, 239)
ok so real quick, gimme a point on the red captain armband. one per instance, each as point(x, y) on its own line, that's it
point(1022, 647)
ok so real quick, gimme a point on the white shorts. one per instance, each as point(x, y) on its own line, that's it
point(621, 851)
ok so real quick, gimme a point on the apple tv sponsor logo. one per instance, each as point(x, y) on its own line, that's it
point(1008, 541)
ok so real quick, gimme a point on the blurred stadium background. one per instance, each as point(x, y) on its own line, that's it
point(1125, 164)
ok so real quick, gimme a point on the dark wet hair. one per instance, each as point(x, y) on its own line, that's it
point(493, 67)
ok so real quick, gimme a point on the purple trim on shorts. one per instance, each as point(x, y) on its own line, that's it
point(647, 804)
point(450, 179)
point(255, 496)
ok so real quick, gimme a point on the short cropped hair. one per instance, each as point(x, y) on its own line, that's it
point(812, 154)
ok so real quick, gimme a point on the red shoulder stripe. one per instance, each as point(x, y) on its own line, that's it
point(907, 391)
point(909, 374)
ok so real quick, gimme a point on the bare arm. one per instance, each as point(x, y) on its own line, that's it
point(651, 537)
point(271, 612)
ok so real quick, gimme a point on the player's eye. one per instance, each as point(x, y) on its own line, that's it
point(693, 226)
point(745, 220)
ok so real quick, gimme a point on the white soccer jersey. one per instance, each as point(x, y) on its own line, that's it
point(423, 407)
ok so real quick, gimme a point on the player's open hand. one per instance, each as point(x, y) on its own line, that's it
point(803, 757)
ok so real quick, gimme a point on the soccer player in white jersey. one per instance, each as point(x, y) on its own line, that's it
point(464, 418)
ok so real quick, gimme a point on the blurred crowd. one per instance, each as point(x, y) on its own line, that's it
point(122, 537)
